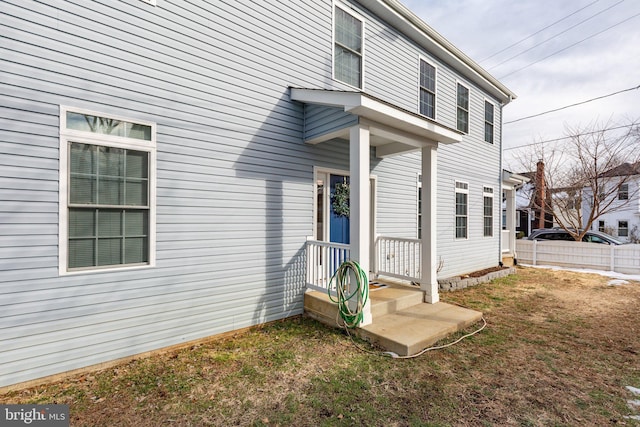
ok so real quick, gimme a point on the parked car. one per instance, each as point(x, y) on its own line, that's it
point(560, 234)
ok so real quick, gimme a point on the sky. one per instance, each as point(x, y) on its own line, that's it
point(581, 63)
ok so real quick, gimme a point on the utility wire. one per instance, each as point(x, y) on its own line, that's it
point(568, 137)
point(571, 105)
point(554, 36)
point(570, 46)
point(537, 32)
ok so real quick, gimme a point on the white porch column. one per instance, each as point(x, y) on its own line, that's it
point(510, 207)
point(359, 203)
point(429, 282)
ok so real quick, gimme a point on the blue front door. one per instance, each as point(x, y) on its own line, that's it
point(338, 223)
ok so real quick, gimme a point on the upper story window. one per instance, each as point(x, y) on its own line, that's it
point(427, 89)
point(623, 228)
point(488, 122)
point(462, 103)
point(348, 48)
point(623, 192)
point(462, 210)
point(107, 191)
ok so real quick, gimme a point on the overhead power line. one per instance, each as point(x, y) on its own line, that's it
point(568, 137)
point(554, 36)
point(570, 46)
point(538, 32)
point(572, 105)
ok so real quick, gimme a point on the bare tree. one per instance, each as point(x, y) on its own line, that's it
point(585, 174)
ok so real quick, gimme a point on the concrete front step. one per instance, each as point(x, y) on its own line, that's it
point(410, 330)
point(385, 300)
point(402, 323)
point(391, 299)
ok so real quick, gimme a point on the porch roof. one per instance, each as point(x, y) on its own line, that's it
point(393, 130)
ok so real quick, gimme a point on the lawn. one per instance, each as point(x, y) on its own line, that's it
point(559, 349)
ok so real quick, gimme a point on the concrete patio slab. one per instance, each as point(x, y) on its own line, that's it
point(402, 322)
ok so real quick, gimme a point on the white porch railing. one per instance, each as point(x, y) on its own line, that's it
point(323, 259)
point(398, 257)
point(506, 241)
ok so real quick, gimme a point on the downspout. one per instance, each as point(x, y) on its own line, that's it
point(500, 180)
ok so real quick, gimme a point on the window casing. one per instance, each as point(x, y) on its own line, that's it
point(427, 89)
point(348, 48)
point(623, 228)
point(488, 121)
point(462, 110)
point(623, 192)
point(462, 210)
point(601, 226)
point(487, 193)
point(107, 192)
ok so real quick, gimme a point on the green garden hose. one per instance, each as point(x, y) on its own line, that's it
point(342, 278)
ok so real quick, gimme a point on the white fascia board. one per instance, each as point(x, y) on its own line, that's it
point(382, 113)
point(330, 98)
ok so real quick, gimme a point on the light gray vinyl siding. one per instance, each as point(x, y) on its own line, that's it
point(234, 177)
point(320, 120)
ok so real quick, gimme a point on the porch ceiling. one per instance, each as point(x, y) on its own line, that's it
point(393, 130)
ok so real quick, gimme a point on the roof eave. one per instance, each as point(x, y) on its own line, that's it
point(415, 28)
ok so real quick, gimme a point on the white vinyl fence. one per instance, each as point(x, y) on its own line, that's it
point(621, 259)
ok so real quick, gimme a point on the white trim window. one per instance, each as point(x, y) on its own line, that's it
point(489, 118)
point(107, 191)
point(348, 48)
point(487, 195)
point(623, 228)
point(427, 89)
point(462, 210)
point(462, 108)
point(601, 226)
point(623, 192)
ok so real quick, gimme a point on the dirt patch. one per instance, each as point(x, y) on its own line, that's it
point(481, 273)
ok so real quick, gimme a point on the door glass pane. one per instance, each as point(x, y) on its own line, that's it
point(320, 184)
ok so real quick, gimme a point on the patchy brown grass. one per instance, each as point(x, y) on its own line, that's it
point(559, 349)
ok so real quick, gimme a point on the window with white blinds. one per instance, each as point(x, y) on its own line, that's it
point(108, 200)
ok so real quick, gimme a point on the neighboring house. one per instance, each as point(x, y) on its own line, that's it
point(539, 206)
point(163, 165)
point(621, 188)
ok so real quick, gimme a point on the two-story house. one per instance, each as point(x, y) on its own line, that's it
point(164, 165)
point(619, 197)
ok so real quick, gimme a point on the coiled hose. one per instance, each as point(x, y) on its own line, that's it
point(341, 281)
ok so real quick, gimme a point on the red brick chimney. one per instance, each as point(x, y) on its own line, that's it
point(541, 193)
